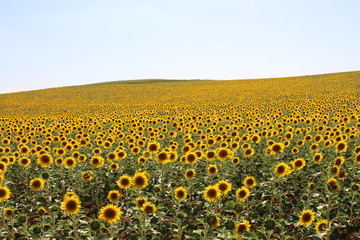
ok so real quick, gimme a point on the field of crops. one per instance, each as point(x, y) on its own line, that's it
point(255, 159)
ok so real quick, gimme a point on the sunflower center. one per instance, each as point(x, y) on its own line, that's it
point(153, 147)
point(180, 194)
point(241, 228)
point(45, 159)
point(298, 163)
point(71, 205)
point(223, 187)
point(306, 217)
point(162, 156)
point(242, 194)
point(210, 155)
point(2, 193)
point(212, 193)
point(70, 162)
point(139, 180)
point(113, 196)
point(125, 182)
point(281, 169)
point(223, 153)
point(110, 213)
point(36, 184)
point(276, 148)
point(249, 182)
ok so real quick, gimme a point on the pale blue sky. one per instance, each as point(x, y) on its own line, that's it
point(47, 43)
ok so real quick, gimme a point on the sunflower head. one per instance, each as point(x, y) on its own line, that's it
point(212, 194)
point(140, 180)
point(149, 208)
point(110, 213)
point(8, 213)
point(190, 173)
point(250, 182)
point(282, 169)
point(242, 227)
point(242, 193)
point(322, 226)
point(113, 196)
point(140, 202)
point(214, 221)
point(224, 187)
point(124, 181)
point(37, 184)
point(180, 193)
point(212, 169)
point(71, 205)
point(45, 160)
point(306, 217)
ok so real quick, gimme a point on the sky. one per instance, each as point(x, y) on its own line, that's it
point(45, 44)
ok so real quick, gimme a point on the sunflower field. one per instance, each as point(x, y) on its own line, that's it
point(155, 159)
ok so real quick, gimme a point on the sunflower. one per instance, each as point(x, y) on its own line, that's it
point(190, 173)
point(214, 221)
point(112, 157)
point(87, 176)
point(69, 162)
point(212, 169)
point(277, 148)
point(71, 205)
point(24, 161)
point(149, 208)
point(162, 157)
point(209, 155)
point(341, 147)
point(357, 159)
point(322, 226)
point(311, 186)
point(140, 202)
point(180, 193)
point(24, 150)
point(110, 213)
point(212, 194)
point(45, 160)
point(96, 151)
point(314, 147)
point(342, 174)
point(37, 184)
point(191, 158)
point(282, 169)
point(58, 161)
point(4, 193)
point(223, 154)
point(298, 164)
point(114, 166)
point(318, 157)
point(153, 147)
point(235, 160)
point(8, 213)
point(3, 167)
point(140, 180)
point(242, 227)
point(250, 182)
point(224, 187)
point(124, 181)
point(306, 217)
point(96, 161)
point(249, 152)
point(113, 196)
point(339, 161)
point(242, 193)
